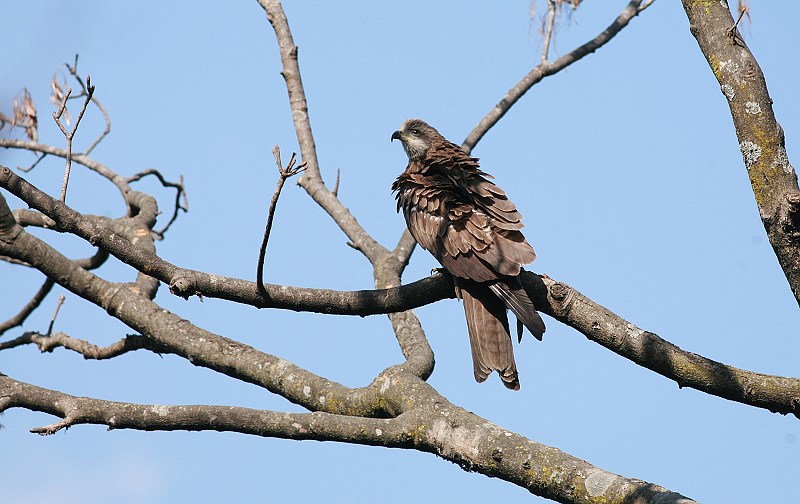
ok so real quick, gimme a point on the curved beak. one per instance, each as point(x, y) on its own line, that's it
point(397, 135)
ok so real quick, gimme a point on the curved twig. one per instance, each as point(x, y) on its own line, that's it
point(181, 199)
point(284, 173)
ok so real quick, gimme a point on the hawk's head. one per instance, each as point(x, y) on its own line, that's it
point(416, 136)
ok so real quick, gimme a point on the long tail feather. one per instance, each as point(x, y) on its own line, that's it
point(489, 336)
point(515, 298)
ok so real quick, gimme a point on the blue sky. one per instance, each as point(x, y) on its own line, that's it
point(625, 166)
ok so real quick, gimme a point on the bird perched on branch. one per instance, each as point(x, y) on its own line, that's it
point(469, 225)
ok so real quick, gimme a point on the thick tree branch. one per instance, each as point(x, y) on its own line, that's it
point(761, 139)
point(547, 68)
point(774, 393)
point(117, 415)
point(89, 263)
point(429, 423)
point(185, 282)
point(387, 267)
point(599, 324)
point(182, 338)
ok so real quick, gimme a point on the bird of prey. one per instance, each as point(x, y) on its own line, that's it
point(457, 214)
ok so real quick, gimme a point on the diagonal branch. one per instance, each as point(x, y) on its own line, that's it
point(89, 263)
point(29, 307)
point(179, 336)
point(387, 267)
point(774, 393)
point(311, 181)
point(546, 68)
point(761, 138)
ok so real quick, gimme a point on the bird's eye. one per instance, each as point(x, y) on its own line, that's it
point(415, 132)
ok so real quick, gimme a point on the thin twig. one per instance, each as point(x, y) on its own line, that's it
point(61, 299)
point(285, 173)
point(548, 33)
point(31, 167)
point(545, 69)
point(732, 30)
point(335, 191)
point(181, 199)
point(48, 343)
point(73, 70)
point(88, 263)
point(36, 300)
point(69, 135)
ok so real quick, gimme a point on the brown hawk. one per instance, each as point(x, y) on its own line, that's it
point(473, 230)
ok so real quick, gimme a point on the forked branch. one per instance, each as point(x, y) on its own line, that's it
point(70, 134)
point(289, 171)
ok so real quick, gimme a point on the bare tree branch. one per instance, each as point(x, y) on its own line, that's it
point(545, 69)
point(761, 139)
point(69, 135)
point(181, 199)
point(774, 393)
point(48, 343)
point(445, 430)
point(549, 29)
point(311, 181)
point(182, 338)
point(599, 324)
point(17, 320)
point(30, 306)
point(61, 299)
point(284, 173)
point(101, 169)
point(86, 91)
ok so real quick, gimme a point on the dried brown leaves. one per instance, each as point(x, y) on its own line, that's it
point(58, 95)
point(24, 115)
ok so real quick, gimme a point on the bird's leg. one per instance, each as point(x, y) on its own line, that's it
point(455, 282)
